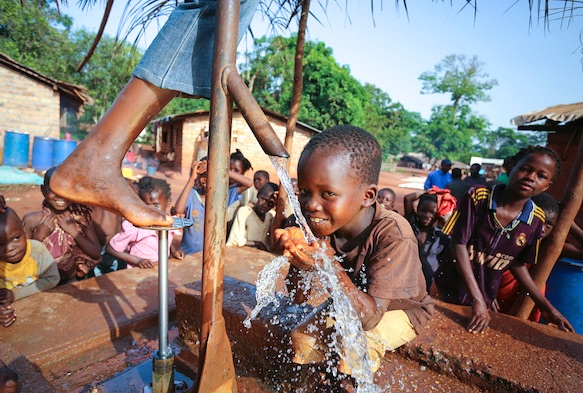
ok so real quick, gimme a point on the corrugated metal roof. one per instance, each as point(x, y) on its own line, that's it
point(563, 113)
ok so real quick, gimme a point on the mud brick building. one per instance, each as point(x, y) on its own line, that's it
point(179, 137)
point(35, 104)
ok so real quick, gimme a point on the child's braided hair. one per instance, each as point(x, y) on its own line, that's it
point(526, 151)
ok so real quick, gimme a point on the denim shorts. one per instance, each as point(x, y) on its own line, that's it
point(181, 56)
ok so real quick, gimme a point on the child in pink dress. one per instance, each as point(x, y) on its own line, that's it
point(138, 247)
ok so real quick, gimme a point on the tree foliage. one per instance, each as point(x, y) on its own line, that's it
point(331, 95)
point(461, 77)
point(36, 35)
point(506, 142)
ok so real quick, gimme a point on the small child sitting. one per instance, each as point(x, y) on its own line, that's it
point(138, 247)
point(251, 225)
point(378, 265)
point(26, 266)
point(65, 229)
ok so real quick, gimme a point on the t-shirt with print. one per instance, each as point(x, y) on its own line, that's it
point(492, 248)
point(384, 262)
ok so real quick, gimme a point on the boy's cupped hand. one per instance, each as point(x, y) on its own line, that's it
point(291, 243)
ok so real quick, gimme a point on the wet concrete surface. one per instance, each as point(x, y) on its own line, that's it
point(88, 327)
point(511, 356)
point(80, 334)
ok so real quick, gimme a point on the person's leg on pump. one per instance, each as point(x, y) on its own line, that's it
point(179, 59)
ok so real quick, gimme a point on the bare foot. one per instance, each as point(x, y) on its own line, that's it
point(92, 173)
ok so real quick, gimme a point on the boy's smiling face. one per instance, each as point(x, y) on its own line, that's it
point(12, 238)
point(331, 197)
point(532, 175)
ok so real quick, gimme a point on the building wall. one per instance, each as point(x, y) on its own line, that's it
point(242, 139)
point(27, 106)
point(566, 144)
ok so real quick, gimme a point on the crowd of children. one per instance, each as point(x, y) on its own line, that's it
point(472, 250)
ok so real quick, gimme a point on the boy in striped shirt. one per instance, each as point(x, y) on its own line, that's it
point(494, 230)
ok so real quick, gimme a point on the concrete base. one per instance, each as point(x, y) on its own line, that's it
point(512, 356)
point(81, 333)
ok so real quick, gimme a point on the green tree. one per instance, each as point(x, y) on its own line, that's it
point(461, 77)
point(331, 95)
point(35, 34)
point(506, 142)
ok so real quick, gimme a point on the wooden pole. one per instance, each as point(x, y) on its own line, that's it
point(570, 205)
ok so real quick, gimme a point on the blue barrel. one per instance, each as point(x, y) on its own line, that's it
point(62, 149)
point(16, 146)
point(42, 153)
point(565, 290)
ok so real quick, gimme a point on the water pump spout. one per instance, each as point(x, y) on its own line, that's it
point(251, 111)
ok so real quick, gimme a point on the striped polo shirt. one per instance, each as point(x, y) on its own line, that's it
point(492, 248)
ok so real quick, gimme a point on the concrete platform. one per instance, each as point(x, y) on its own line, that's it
point(75, 326)
point(74, 336)
point(511, 356)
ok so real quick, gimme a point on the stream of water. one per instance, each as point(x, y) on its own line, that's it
point(348, 339)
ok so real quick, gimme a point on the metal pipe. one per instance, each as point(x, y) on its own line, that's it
point(215, 225)
point(251, 111)
point(163, 293)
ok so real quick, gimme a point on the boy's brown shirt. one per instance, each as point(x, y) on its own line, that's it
point(384, 262)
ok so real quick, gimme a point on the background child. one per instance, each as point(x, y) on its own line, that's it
point(496, 230)
point(26, 266)
point(249, 196)
point(238, 183)
point(252, 224)
point(386, 197)
point(379, 268)
point(138, 247)
point(65, 229)
point(431, 240)
point(190, 204)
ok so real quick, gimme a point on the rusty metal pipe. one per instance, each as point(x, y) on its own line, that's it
point(221, 112)
point(251, 111)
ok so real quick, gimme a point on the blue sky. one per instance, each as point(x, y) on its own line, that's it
point(535, 67)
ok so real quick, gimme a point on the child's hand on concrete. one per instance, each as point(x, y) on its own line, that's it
point(554, 317)
point(6, 297)
point(146, 264)
point(178, 254)
point(480, 317)
point(7, 315)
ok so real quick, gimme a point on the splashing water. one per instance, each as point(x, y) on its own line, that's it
point(348, 340)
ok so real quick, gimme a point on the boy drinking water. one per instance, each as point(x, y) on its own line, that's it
point(379, 269)
point(496, 230)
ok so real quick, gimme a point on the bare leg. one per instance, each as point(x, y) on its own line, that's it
point(92, 173)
